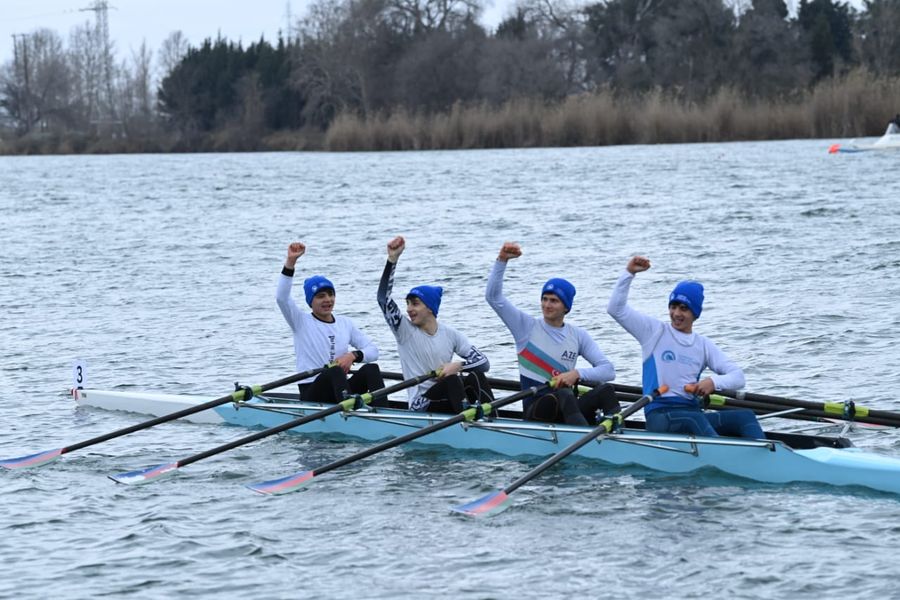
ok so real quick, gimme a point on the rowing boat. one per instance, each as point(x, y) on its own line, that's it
point(780, 458)
point(889, 141)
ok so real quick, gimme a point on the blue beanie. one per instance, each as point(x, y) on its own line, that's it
point(562, 289)
point(314, 285)
point(689, 293)
point(430, 295)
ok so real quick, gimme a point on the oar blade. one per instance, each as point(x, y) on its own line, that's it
point(145, 475)
point(485, 506)
point(283, 485)
point(32, 460)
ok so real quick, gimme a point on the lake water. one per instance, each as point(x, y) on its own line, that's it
point(160, 272)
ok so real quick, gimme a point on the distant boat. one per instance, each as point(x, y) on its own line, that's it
point(889, 141)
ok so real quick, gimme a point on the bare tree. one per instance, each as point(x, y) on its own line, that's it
point(347, 51)
point(135, 93)
point(563, 22)
point(173, 49)
point(692, 39)
point(415, 17)
point(619, 37)
point(878, 39)
point(87, 72)
point(251, 118)
point(142, 63)
point(36, 86)
point(768, 58)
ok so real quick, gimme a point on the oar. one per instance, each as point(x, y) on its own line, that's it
point(350, 403)
point(757, 402)
point(497, 501)
point(294, 482)
point(240, 395)
point(848, 411)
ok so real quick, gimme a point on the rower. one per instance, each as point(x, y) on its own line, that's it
point(425, 345)
point(893, 126)
point(673, 354)
point(549, 348)
point(322, 338)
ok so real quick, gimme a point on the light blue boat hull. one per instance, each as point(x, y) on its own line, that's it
point(765, 461)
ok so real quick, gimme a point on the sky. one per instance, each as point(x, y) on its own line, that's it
point(133, 21)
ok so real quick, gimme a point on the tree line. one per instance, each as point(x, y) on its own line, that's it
point(370, 61)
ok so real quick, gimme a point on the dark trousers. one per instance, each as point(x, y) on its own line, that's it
point(331, 384)
point(450, 394)
point(562, 406)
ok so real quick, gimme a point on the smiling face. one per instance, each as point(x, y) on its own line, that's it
point(681, 316)
point(553, 309)
point(418, 313)
point(323, 304)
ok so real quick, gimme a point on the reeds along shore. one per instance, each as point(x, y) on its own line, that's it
point(856, 105)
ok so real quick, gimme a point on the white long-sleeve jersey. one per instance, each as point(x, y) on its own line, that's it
point(669, 356)
point(317, 343)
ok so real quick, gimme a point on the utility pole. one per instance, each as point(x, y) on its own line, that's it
point(100, 8)
point(289, 21)
point(24, 95)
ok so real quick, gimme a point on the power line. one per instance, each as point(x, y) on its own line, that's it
point(43, 16)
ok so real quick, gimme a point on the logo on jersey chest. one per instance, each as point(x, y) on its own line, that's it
point(569, 355)
point(685, 359)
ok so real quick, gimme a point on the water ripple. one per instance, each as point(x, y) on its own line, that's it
point(159, 271)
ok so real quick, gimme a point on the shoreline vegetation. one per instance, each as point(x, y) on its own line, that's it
point(383, 75)
point(858, 104)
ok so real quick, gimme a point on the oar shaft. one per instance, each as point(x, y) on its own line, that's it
point(823, 406)
point(831, 410)
point(236, 396)
point(320, 414)
point(876, 417)
point(814, 410)
point(584, 440)
point(512, 386)
point(403, 385)
point(443, 424)
point(757, 407)
point(602, 428)
point(808, 414)
point(720, 402)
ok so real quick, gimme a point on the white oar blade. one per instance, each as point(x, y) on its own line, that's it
point(485, 506)
point(32, 460)
point(144, 475)
point(283, 485)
